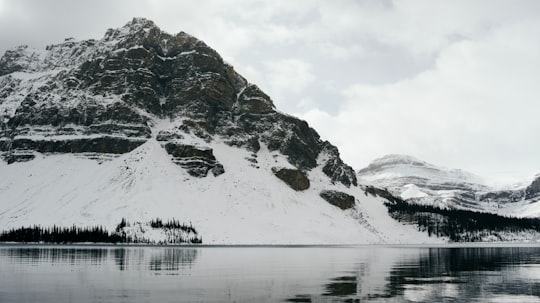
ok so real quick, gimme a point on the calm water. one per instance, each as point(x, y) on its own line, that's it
point(268, 274)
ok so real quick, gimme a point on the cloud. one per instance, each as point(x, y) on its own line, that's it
point(423, 26)
point(339, 51)
point(476, 109)
point(288, 76)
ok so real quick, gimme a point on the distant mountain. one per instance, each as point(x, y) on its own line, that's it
point(399, 170)
point(423, 183)
point(142, 126)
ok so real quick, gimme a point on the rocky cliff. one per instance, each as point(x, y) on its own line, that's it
point(104, 96)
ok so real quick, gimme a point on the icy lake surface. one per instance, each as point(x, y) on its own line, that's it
point(269, 274)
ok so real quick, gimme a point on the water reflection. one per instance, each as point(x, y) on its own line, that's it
point(120, 258)
point(342, 286)
point(173, 259)
point(269, 274)
point(440, 275)
point(156, 259)
point(55, 255)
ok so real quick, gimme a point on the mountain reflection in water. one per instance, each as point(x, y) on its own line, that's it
point(474, 274)
point(269, 274)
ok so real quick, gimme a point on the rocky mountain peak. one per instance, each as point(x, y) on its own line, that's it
point(108, 95)
point(135, 26)
point(145, 33)
point(140, 22)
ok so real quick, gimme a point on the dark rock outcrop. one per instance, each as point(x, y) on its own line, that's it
point(533, 190)
point(197, 161)
point(18, 157)
point(337, 198)
point(111, 145)
point(502, 196)
point(295, 178)
point(167, 136)
point(336, 169)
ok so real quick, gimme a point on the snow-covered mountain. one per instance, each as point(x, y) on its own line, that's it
point(142, 124)
point(400, 170)
point(419, 182)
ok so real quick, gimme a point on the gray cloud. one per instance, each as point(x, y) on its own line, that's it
point(452, 82)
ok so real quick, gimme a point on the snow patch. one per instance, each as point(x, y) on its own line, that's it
point(412, 191)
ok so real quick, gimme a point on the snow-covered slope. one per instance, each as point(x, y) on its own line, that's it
point(143, 125)
point(423, 183)
point(245, 205)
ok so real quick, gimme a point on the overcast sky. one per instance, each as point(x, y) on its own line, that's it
point(455, 83)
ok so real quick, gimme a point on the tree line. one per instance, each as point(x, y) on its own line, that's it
point(172, 224)
point(58, 234)
point(99, 234)
point(457, 224)
point(461, 225)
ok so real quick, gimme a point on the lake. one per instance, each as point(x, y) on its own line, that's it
point(40, 273)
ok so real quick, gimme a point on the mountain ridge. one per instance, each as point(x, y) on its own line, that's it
point(142, 125)
point(199, 86)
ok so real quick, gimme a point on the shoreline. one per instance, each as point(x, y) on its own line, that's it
point(352, 246)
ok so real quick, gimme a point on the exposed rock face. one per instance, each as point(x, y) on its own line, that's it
point(533, 190)
point(103, 144)
point(197, 161)
point(501, 196)
point(337, 170)
point(339, 199)
point(17, 59)
point(295, 178)
point(168, 136)
point(82, 96)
